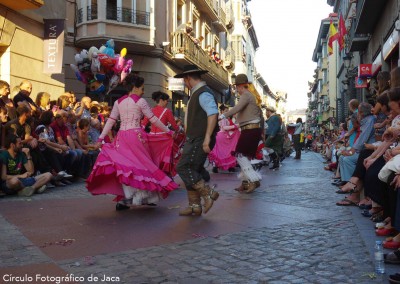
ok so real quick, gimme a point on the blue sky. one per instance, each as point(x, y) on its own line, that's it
point(287, 32)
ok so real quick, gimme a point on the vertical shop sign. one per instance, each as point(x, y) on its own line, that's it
point(53, 41)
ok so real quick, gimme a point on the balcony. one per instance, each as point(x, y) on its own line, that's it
point(130, 16)
point(213, 9)
point(131, 28)
point(122, 15)
point(230, 58)
point(229, 17)
point(368, 14)
point(22, 4)
point(184, 51)
point(357, 42)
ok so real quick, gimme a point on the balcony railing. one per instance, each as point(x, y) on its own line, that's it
point(91, 13)
point(123, 15)
point(126, 15)
point(230, 59)
point(79, 15)
point(182, 46)
point(215, 7)
point(222, 16)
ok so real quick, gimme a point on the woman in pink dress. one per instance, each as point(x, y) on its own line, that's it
point(125, 167)
point(160, 142)
point(221, 156)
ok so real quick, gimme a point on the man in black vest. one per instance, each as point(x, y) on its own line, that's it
point(200, 127)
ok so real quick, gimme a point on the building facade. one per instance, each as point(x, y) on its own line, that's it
point(371, 45)
point(21, 44)
point(322, 99)
point(160, 37)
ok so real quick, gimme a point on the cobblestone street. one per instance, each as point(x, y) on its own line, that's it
point(288, 231)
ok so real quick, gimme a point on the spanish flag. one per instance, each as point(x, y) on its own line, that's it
point(333, 35)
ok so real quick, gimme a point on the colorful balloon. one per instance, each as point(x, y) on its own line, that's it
point(95, 66)
point(110, 48)
point(80, 76)
point(127, 69)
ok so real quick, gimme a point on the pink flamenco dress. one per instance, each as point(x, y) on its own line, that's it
point(161, 144)
point(226, 140)
point(125, 167)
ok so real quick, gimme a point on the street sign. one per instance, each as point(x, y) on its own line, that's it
point(176, 84)
point(361, 83)
point(365, 71)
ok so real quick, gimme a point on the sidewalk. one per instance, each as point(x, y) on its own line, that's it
point(288, 231)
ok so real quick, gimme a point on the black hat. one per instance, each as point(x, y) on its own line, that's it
point(190, 69)
point(241, 79)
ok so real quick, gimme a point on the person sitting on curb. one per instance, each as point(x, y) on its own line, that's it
point(14, 160)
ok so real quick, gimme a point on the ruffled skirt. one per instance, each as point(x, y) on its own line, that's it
point(221, 156)
point(128, 161)
point(161, 151)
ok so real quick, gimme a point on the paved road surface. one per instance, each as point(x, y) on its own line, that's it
point(288, 231)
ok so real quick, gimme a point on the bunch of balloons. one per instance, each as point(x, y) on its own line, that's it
point(97, 67)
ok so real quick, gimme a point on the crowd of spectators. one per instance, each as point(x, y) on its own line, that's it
point(364, 156)
point(214, 55)
point(46, 143)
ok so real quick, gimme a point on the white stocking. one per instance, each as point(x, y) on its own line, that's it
point(154, 197)
point(138, 197)
point(248, 173)
point(128, 191)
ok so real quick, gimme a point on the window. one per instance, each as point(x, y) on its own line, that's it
point(244, 50)
point(195, 27)
point(111, 10)
point(324, 76)
point(324, 50)
point(92, 10)
point(207, 36)
point(179, 15)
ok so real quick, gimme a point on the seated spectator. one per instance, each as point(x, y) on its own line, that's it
point(3, 121)
point(72, 100)
point(339, 147)
point(43, 101)
point(348, 160)
point(63, 102)
point(90, 147)
point(15, 178)
point(5, 100)
point(83, 111)
point(95, 129)
point(63, 137)
point(56, 155)
point(23, 97)
point(22, 127)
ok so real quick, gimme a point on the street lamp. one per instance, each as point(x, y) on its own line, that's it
point(345, 84)
point(347, 60)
